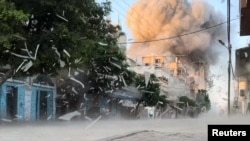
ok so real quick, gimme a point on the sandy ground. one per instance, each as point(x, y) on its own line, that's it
point(117, 130)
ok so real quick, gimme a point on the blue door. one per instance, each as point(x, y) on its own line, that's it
point(1, 103)
point(42, 104)
point(50, 105)
point(12, 101)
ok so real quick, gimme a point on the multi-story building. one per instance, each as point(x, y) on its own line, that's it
point(242, 71)
point(244, 17)
point(177, 77)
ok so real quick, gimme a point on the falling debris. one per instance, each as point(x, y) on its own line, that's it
point(74, 90)
point(120, 101)
point(56, 51)
point(132, 110)
point(103, 44)
point(160, 102)
point(27, 66)
point(49, 117)
point(114, 64)
point(124, 82)
point(108, 101)
point(20, 65)
point(88, 118)
point(18, 116)
point(66, 52)
point(85, 96)
point(81, 106)
point(77, 81)
point(66, 20)
point(93, 122)
point(147, 78)
point(69, 116)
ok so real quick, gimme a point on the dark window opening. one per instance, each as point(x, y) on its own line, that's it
point(242, 92)
point(43, 105)
point(11, 102)
point(157, 60)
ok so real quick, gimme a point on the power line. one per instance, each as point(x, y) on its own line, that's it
point(155, 40)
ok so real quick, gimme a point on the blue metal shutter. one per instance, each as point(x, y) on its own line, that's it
point(50, 105)
point(21, 103)
point(2, 105)
point(3, 102)
point(33, 110)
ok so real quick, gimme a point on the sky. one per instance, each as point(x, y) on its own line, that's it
point(120, 15)
point(121, 7)
point(120, 12)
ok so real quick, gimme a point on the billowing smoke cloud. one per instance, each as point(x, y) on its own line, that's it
point(151, 20)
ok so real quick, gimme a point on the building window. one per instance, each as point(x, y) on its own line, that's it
point(179, 72)
point(157, 60)
point(242, 92)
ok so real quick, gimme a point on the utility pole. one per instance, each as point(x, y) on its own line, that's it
point(229, 53)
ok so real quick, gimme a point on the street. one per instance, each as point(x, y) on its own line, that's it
point(118, 130)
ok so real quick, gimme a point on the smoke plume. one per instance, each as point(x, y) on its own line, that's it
point(151, 20)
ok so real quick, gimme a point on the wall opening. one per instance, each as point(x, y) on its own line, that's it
point(11, 102)
point(42, 105)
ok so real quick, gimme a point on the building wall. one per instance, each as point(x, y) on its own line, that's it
point(18, 107)
point(243, 96)
point(36, 106)
point(242, 73)
point(244, 17)
point(27, 101)
point(122, 43)
point(157, 61)
point(182, 78)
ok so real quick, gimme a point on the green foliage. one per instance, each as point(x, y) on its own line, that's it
point(202, 99)
point(163, 101)
point(107, 67)
point(187, 101)
point(65, 34)
point(10, 19)
point(151, 92)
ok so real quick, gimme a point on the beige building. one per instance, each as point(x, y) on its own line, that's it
point(177, 77)
point(242, 97)
point(242, 71)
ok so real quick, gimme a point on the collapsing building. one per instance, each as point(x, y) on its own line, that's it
point(175, 77)
point(178, 78)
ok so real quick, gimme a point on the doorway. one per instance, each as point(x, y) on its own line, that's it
point(11, 102)
point(42, 105)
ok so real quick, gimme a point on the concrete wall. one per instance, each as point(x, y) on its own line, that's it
point(27, 106)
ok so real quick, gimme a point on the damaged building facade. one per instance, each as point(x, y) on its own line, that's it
point(242, 62)
point(242, 70)
point(176, 77)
